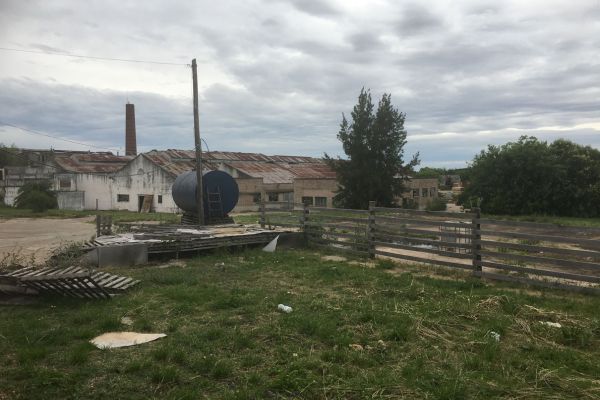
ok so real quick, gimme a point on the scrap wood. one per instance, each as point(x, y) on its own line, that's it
point(72, 282)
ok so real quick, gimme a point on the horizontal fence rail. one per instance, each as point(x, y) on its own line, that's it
point(532, 253)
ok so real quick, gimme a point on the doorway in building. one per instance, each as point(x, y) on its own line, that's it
point(145, 202)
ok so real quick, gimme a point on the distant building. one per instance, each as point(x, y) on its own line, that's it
point(104, 181)
point(60, 167)
point(420, 192)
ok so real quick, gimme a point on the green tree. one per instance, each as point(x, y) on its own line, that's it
point(9, 156)
point(533, 177)
point(429, 172)
point(36, 196)
point(374, 145)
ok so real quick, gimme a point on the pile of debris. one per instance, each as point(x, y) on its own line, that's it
point(76, 282)
point(175, 239)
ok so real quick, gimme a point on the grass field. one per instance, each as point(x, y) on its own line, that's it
point(566, 221)
point(355, 332)
point(118, 216)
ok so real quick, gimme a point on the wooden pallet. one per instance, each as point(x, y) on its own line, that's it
point(73, 282)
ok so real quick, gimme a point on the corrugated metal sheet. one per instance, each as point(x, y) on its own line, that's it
point(295, 159)
point(269, 172)
point(318, 170)
point(272, 169)
point(176, 162)
point(92, 162)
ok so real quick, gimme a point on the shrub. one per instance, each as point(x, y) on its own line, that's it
point(36, 196)
point(436, 204)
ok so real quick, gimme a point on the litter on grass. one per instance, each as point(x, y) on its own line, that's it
point(334, 258)
point(270, 248)
point(284, 308)
point(493, 335)
point(113, 340)
point(552, 324)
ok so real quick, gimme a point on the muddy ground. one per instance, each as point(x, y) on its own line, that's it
point(37, 237)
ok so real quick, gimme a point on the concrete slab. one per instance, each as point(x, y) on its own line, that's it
point(123, 255)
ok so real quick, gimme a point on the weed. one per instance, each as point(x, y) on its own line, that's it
point(79, 354)
point(222, 369)
point(165, 375)
point(386, 264)
point(419, 336)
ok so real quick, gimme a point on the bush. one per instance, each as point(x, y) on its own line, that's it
point(529, 176)
point(36, 196)
point(436, 204)
point(410, 204)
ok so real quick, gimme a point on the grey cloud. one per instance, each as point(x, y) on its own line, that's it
point(84, 114)
point(417, 19)
point(365, 41)
point(314, 7)
point(479, 69)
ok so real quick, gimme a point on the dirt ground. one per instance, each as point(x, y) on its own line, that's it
point(39, 236)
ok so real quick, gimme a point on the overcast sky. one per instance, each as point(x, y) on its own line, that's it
point(276, 76)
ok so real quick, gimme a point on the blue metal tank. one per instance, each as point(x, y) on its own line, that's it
point(185, 185)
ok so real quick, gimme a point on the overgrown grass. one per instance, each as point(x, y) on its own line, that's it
point(118, 216)
point(566, 221)
point(246, 218)
point(355, 332)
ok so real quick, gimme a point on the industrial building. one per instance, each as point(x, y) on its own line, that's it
point(142, 182)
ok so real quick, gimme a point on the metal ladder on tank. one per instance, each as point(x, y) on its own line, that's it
point(215, 205)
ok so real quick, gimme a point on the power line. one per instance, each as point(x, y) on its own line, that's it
point(53, 53)
point(56, 137)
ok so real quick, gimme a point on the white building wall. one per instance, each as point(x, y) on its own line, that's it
point(10, 194)
point(97, 188)
point(141, 177)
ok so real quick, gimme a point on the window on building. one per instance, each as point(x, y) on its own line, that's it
point(256, 197)
point(307, 200)
point(122, 198)
point(1, 174)
point(160, 199)
point(415, 193)
point(321, 201)
point(432, 192)
point(424, 192)
point(273, 196)
point(64, 183)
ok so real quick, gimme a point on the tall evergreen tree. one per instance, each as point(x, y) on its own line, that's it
point(374, 146)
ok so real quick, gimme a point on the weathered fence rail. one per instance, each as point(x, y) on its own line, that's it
point(527, 252)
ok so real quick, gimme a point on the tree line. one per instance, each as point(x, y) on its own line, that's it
point(530, 176)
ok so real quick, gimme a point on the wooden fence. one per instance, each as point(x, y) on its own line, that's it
point(532, 253)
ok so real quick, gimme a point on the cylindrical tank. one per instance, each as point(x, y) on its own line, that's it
point(185, 186)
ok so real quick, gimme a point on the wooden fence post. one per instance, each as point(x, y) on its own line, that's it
point(263, 218)
point(305, 213)
point(475, 239)
point(103, 225)
point(371, 229)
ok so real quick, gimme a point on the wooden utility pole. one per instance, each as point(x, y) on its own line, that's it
point(199, 190)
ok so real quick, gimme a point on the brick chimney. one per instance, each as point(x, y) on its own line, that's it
point(130, 142)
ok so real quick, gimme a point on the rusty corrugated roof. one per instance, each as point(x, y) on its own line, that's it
point(270, 172)
point(272, 169)
point(314, 170)
point(176, 161)
point(91, 162)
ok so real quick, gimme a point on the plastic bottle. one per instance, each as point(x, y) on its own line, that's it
point(284, 308)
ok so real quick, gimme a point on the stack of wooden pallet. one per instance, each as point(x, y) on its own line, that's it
point(73, 282)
